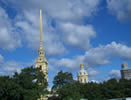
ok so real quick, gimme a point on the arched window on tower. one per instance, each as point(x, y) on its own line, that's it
point(40, 52)
point(40, 67)
point(81, 80)
point(84, 80)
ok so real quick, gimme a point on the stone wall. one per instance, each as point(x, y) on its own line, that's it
point(126, 74)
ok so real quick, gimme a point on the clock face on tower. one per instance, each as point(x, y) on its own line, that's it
point(41, 59)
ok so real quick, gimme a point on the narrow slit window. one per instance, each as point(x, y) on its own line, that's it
point(85, 80)
point(40, 67)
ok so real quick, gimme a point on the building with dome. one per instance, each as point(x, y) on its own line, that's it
point(82, 75)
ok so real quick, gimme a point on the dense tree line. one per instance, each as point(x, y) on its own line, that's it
point(27, 85)
point(30, 84)
point(68, 89)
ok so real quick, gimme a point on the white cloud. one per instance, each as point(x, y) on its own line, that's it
point(92, 73)
point(70, 64)
point(120, 8)
point(9, 67)
point(61, 11)
point(104, 54)
point(77, 35)
point(31, 31)
point(94, 57)
point(73, 34)
point(64, 10)
point(73, 65)
point(115, 74)
point(1, 58)
point(9, 38)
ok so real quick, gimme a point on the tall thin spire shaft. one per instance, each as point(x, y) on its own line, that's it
point(41, 34)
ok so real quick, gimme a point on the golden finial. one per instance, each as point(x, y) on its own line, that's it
point(81, 66)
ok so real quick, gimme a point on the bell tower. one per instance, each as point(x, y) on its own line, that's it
point(82, 75)
point(41, 61)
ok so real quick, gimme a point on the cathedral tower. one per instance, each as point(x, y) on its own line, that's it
point(82, 75)
point(41, 61)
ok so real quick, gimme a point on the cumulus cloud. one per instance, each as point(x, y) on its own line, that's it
point(64, 10)
point(92, 73)
point(9, 37)
point(77, 35)
point(9, 67)
point(115, 74)
point(72, 34)
point(65, 13)
point(120, 8)
point(70, 64)
point(73, 65)
point(29, 24)
point(1, 58)
point(103, 54)
point(95, 57)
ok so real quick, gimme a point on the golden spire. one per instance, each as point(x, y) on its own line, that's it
point(41, 34)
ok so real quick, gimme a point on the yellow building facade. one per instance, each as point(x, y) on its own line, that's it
point(41, 61)
point(82, 75)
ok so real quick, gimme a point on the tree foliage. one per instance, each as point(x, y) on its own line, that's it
point(27, 85)
point(61, 79)
point(92, 91)
point(70, 91)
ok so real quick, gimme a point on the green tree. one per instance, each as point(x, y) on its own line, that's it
point(61, 79)
point(125, 87)
point(32, 82)
point(110, 89)
point(70, 92)
point(27, 85)
point(92, 91)
point(9, 90)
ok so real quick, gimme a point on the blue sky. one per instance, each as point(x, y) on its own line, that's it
point(94, 32)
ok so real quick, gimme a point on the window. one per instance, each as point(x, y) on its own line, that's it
point(81, 80)
point(40, 67)
point(41, 53)
point(84, 80)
